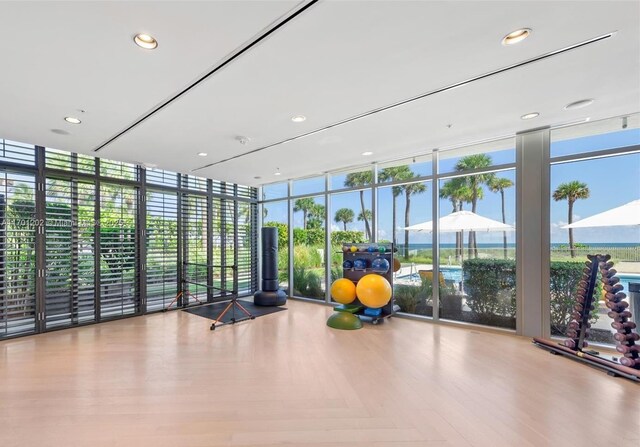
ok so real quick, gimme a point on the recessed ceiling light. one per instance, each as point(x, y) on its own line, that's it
point(298, 118)
point(516, 36)
point(366, 154)
point(579, 104)
point(72, 120)
point(529, 116)
point(145, 41)
point(202, 154)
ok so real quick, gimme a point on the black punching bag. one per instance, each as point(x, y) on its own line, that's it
point(271, 294)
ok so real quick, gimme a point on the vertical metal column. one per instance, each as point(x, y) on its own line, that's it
point(532, 233)
point(235, 242)
point(96, 243)
point(374, 203)
point(223, 240)
point(181, 288)
point(209, 241)
point(40, 242)
point(435, 234)
point(290, 235)
point(327, 239)
point(141, 243)
point(75, 236)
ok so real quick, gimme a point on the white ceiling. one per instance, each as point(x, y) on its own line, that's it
point(335, 60)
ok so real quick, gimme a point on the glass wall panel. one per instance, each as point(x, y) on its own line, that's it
point(308, 186)
point(581, 189)
point(275, 191)
point(404, 170)
point(161, 177)
point(118, 170)
point(478, 156)
point(247, 248)
point(194, 243)
point(595, 136)
point(477, 248)
point(401, 206)
point(351, 221)
point(119, 293)
point(351, 179)
point(309, 247)
point(17, 254)
point(162, 249)
point(70, 252)
point(275, 214)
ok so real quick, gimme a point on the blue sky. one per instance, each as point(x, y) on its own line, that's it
point(612, 182)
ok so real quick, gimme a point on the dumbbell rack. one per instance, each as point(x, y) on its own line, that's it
point(578, 329)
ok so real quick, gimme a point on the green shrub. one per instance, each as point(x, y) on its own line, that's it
point(565, 276)
point(409, 298)
point(347, 237)
point(307, 283)
point(490, 285)
point(312, 236)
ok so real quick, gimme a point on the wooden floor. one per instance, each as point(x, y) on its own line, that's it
point(286, 378)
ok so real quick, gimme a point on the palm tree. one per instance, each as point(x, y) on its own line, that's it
point(355, 179)
point(475, 182)
point(304, 205)
point(457, 191)
point(344, 215)
point(316, 216)
point(409, 190)
point(571, 191)
point(364, 216)
point(499, 184)
point(394, 174)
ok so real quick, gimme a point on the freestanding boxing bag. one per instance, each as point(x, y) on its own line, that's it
point(271, 294)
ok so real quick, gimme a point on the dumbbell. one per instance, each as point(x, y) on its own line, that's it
point(615, 297)
point(617, 307)
point(625, 349)
point(619, 316)
point(625, 325)
point(613, 288)
point(611, 281)
point(574, 325)
point(609, 273)
point(622, 337)
point(631, 363)
point(605, 265)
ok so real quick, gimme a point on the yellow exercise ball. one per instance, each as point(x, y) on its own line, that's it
point(353, 249)
point(373, 291)
point(343, 290)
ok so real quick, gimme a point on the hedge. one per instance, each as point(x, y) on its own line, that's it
point(314, 236)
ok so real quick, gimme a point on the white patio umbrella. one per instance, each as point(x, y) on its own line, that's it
point(622, 216)
point(462, 221)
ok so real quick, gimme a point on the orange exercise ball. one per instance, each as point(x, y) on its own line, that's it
point(343, 290)
point(373, 291)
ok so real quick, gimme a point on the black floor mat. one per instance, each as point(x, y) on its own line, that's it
point(212, 311)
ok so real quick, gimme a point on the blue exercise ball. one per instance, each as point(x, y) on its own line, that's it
point(347, 264)
point(380, 265)
point(360, 264)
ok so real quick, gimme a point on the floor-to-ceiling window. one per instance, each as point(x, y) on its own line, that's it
point(477, 234)
point(276, 214)
point(595, 167)
point(82, 239)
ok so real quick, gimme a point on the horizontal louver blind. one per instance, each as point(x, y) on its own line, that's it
point(194, 228)
point(55, 159)
point(20, 153)
point(118, 170)
point(194, 183)
point(118, 264)
point(162, 177)
point(70, 268)
point(162, 249)
point(17, 254)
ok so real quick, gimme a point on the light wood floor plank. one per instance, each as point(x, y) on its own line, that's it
point(288, 379)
